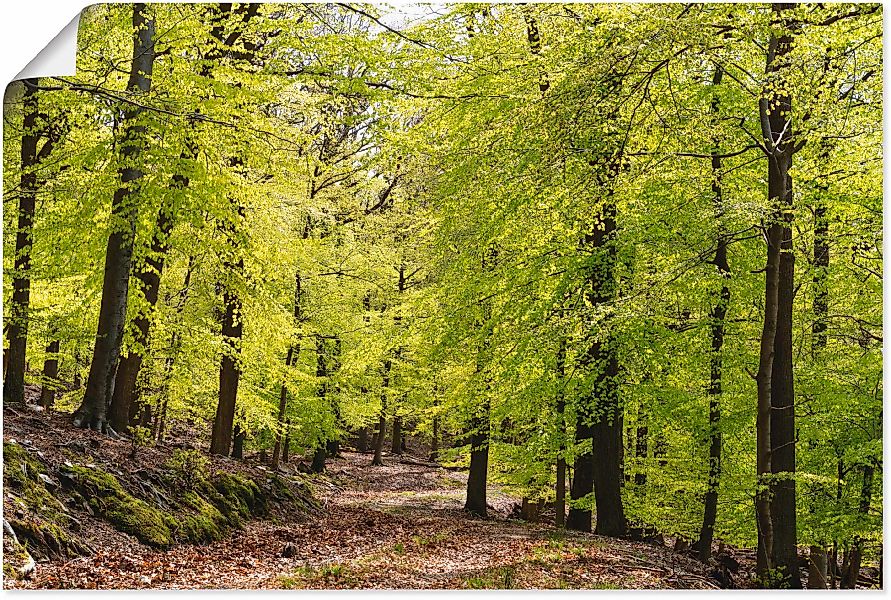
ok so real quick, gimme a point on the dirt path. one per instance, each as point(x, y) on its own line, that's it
point(396, 526)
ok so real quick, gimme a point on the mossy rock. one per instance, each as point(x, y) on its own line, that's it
point(19, 467)
point(150, 525)
point(304, 498)
point(240, 494)
point(45, 539)
point(22, 473)
point(205, 523)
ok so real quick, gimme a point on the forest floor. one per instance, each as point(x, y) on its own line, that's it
point(395, 526)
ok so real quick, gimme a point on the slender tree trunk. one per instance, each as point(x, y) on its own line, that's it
point(477, 477)
point(774, 110)
point(290, 359)
point(230, 372)
point(579, 519)
point(161, 420)
point(852, 573)
point(362, 442)
point(607, 426)
point(17, 328)
point(280, 420)
point(238, 441)
point(232, 324)
point(396, 442)
point(78, 368)
point(125, 399)
point(434, 441)
point(119, 250)
point(379, 441)
point(560, 491)
point(717, 319)
point(164, 399)
point(286, 446)
point(817, 566)
point(763, 380)
point(321, 452)
point(382, 419)
point(479, 462)
point(816, 575)
point(782, 397)
point(50, 375)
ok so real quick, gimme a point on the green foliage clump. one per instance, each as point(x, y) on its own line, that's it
point(332, 573)
point(498, 578)
point(188, 468)
point(140, 437)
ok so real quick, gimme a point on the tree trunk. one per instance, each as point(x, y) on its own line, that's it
point(286, 447)
point(230, 372)
point(125, 399)
point(282, 409)
point(852, 572)
point(782, 398)
point(396, 443)
point(382, 420)
point(238, 442)
point(607, 445)
point(362, 442)
point(78, 368)
point(119, 250)
point(607, 427)
point(560, 491)
point(318, 459)
point(146, 419)
point(479, 462)
point(816, 573)
point(579, 519)
point(717, 319)
point(332, 448)
point(641, 446)
point(162, 421)
point(778, 160)
point(17, 329)
point(434, 441)
point(477, 477)
point(50, 375)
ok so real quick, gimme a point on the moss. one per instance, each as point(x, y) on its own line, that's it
point(206, 510)
point(279, 488)
point(47, 539)
point(240, 494)
point(19, 467)
point(15, 557)
point(150, 525)
point(21, 472)
point(205, 524)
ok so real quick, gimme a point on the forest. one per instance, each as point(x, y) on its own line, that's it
point(618, 263)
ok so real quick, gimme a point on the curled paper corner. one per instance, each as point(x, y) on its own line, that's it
point(58, 57)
